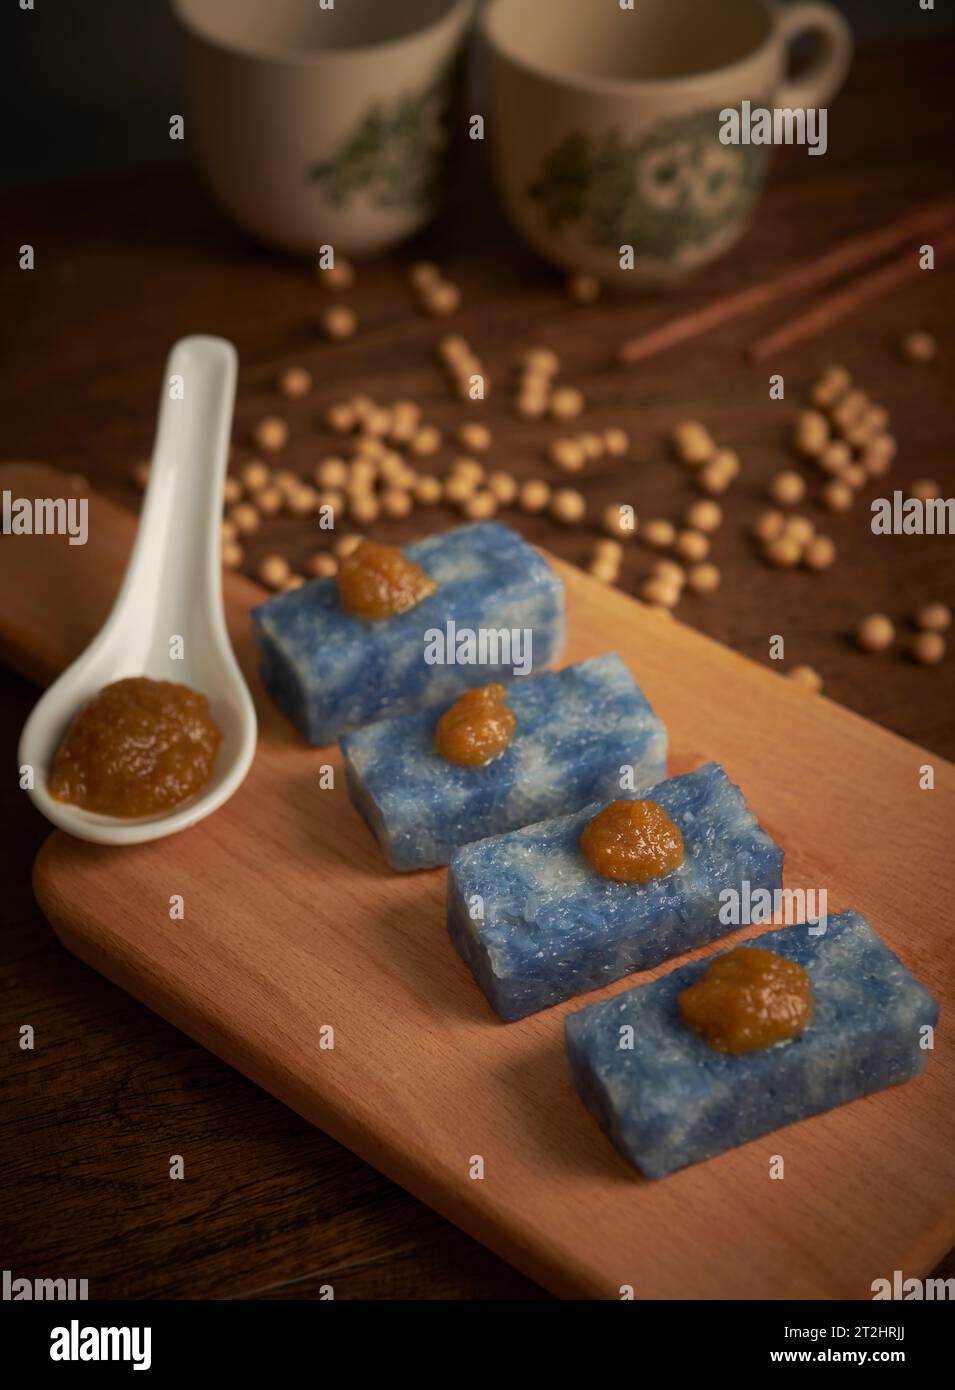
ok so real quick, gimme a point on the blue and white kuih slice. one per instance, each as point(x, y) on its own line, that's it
point(537, 923)
point(492, 595)
point(577, 733)
point(667, 1098)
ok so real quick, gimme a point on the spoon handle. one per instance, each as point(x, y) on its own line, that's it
point(174, 572)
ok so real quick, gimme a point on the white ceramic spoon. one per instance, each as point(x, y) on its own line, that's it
point(172, 587)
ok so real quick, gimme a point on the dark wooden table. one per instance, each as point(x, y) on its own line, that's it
point(270, 1207)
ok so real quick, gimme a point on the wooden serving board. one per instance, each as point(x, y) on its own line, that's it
point(292, 922)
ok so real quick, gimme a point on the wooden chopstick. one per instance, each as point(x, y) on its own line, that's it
point(843, 302)
point(849, 254)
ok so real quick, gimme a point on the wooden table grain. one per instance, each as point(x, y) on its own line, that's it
point(271, 1208)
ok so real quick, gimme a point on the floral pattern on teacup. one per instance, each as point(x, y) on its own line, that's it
point(397, 153)
point(674, 187)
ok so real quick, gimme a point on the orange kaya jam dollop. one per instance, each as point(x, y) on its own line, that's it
point(378, 581)
point(477, 728)
point(138, 748)
point(748, 999)
point(632, 841)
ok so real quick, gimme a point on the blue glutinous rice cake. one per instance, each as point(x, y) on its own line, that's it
point(666, 1098)
point(576, 732)
point(536, 923)
point(497, 608)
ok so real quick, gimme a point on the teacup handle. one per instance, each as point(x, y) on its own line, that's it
point(823, 78)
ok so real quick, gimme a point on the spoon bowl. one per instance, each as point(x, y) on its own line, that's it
point(167, 622)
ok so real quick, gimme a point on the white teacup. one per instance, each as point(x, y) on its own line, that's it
point(319, 125)
point(605, 122)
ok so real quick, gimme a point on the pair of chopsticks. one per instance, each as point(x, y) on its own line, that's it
point(851, 254)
